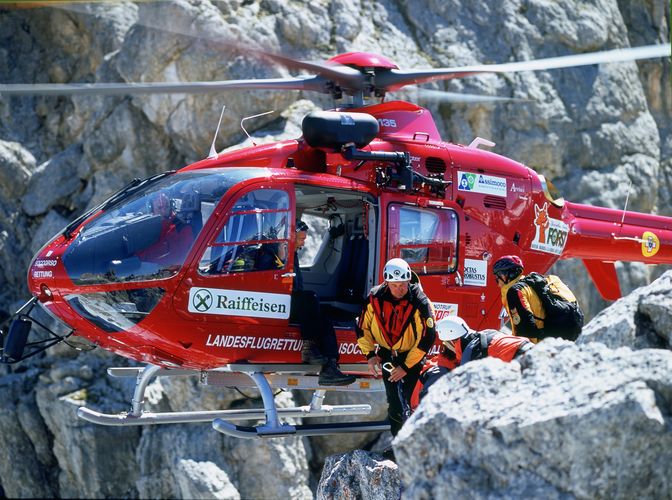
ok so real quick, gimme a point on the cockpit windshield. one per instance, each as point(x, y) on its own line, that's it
point(148, 235)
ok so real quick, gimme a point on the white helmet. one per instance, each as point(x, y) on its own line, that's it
point(397, 270)
point(451, 328)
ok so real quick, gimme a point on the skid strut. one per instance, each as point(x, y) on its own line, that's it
point(262, 377)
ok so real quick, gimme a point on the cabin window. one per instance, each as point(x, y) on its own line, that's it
point(426, 238)
point(254, 237)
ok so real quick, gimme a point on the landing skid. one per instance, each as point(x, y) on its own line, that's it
point(263, 377)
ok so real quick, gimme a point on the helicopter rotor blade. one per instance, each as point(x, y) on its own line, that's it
point(316, 84)
point(342, 75)
point(394, 79)
point(457, 97)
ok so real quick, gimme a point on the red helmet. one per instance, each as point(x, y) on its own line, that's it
point(509, 265)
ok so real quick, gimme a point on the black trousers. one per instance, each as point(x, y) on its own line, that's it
point(313, 322)
point(395, 407)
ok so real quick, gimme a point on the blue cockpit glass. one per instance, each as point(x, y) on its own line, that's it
point(148, 234)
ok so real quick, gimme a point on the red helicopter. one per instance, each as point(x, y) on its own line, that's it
point(165, 271)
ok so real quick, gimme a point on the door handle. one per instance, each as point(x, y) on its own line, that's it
point(288, 275)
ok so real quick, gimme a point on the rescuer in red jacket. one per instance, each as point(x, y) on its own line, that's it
point(461, 345)
point(395, 332)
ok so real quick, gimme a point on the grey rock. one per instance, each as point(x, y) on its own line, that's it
point(283, 463)
point(25, 440)
point(641, 320)
point(325, 446)
point(359, 474)
point(569, 421)
point(52, 223)
point(203, 480)
point(54, 181)
point(16, 166)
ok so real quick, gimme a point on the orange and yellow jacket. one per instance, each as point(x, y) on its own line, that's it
point(403, 329)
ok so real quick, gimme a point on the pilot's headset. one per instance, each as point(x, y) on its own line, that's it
point(336, 226)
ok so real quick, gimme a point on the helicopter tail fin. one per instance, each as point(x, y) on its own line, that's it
point(604, 276)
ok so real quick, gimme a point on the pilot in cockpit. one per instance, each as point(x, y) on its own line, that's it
point(271, 256)
point(179, 218)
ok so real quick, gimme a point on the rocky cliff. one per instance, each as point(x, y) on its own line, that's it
point(589, 130)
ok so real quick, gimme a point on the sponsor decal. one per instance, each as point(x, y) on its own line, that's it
point(480, 183)
point(517, 189)
point(475, 272)
point(650, 244)
point(239, 303)
point(442, 309)
point(550, 234)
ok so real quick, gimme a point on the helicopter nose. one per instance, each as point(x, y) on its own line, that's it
point(45, 272)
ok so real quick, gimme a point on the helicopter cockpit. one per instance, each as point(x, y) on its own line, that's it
point(148, 234)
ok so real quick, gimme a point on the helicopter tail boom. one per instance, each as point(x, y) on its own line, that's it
point(600, 236)
point(609, 235)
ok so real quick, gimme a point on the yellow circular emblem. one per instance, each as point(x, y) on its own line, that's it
point(650, 244)
point(430, 322)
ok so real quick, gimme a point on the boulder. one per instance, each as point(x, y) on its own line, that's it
point(361, 475)
point(569, 420)
point(641, 320)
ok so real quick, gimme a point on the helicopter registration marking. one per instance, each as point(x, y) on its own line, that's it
point(239, 303)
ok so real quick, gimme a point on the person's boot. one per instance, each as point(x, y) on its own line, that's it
point(310, 353)
point(331, 375)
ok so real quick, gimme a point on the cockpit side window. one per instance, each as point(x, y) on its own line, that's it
point(425, 237)
point(254, 237)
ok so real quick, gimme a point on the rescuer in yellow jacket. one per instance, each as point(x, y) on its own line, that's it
point(395, 331)
point(522, 304)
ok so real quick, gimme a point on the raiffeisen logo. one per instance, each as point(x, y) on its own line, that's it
point(239, 303)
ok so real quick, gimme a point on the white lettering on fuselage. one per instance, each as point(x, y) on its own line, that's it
point(250, 342)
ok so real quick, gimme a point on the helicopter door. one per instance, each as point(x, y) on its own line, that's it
point(244, 274)
point(427, 237)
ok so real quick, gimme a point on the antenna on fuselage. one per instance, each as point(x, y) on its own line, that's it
point(625, 208)
point(213, 150)
point(627, 197)
point(249, 118)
